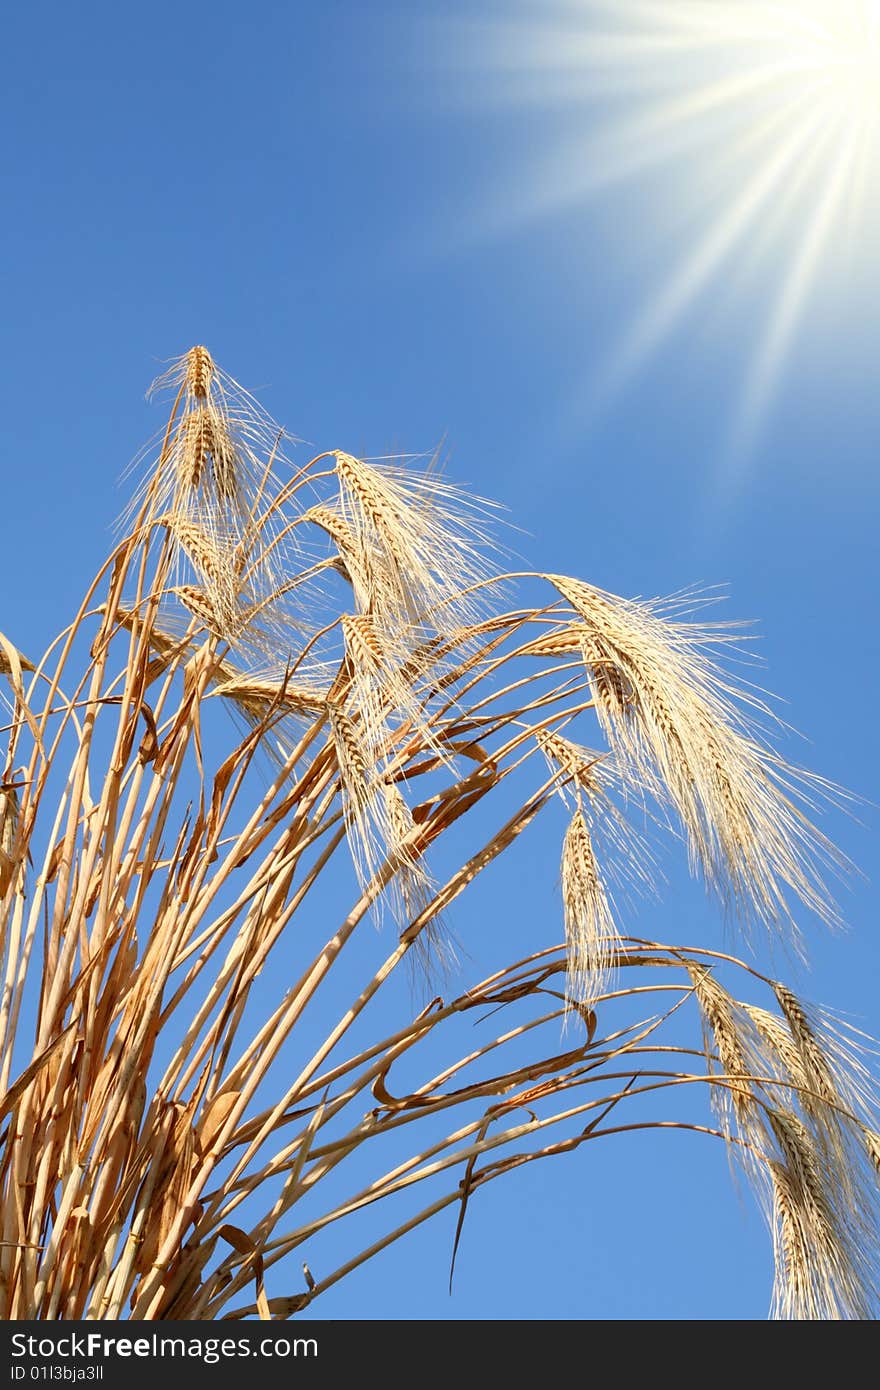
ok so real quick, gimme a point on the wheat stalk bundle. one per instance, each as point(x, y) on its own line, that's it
point(290, 683)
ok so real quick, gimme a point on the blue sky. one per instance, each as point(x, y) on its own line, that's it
point(334, 197)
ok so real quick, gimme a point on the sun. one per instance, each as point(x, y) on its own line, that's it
point(756, 125)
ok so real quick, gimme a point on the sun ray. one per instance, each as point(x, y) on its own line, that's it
point(763, 118)
point(702, 264)
point(766, 367)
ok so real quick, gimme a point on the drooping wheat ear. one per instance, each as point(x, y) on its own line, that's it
point(362, 643)
point(800, 1139)
point(725, 1043)
point(201, 605)
point(335, 526)
point(778, 1050)
point(792, 1286)
point(565, 641)
point(426, 542)
point(818, 1074)
point(280, 707)
point(580, 765)
point(205, 553)
point(371, 674)
point(802, 1065)
point(363, 807)
point(626, 856)
point(591, 936)
point(214, 560)
point(678, 727)
point(256, 696)
point(820, 1273)
point(612, 688)
point(352, 561)
point(380, 691)
point(836, 1093)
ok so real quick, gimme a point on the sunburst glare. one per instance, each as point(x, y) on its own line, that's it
point(754, 130)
